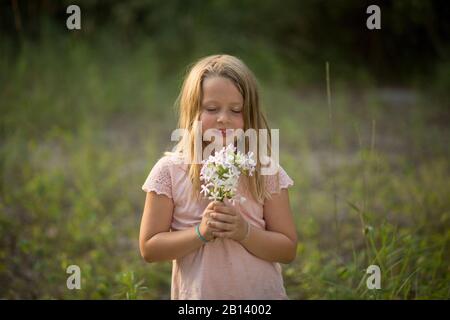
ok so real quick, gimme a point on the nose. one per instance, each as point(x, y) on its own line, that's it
point(222, 117)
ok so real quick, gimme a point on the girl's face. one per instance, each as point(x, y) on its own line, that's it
point(222, 106)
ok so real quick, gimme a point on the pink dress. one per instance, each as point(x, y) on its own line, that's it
point(222, 268)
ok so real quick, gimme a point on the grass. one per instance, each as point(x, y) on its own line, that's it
point(82, 125)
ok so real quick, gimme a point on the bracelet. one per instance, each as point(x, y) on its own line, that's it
point(199, 234)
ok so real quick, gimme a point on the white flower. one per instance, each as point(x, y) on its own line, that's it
point(221, 171)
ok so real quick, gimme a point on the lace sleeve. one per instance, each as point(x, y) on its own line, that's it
point(276, 182)
point(159, 179)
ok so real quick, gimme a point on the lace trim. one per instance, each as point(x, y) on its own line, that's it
point(158, 191)
point(279, 181)
point(159, 179)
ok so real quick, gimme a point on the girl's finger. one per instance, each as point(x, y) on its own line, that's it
point(213, 228)
point(210, 224)
point(222, 217)
point(216, 230)
point(221, 225)
point(224, 209)
point(213, 203)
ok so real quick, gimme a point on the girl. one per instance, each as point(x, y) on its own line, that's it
point(219, 250)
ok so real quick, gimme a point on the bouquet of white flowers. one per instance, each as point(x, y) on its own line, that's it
point(221, 171)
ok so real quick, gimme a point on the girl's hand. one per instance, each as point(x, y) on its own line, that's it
point(230, 221)
point(206, 228)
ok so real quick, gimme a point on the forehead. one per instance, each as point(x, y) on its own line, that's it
point(220, 89)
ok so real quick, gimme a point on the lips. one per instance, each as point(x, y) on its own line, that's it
point(225, 132)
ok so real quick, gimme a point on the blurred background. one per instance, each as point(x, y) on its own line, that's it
point(86, 113)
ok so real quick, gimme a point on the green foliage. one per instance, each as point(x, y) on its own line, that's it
point(84, 121)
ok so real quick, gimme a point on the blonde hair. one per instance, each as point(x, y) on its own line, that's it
point(189, 108)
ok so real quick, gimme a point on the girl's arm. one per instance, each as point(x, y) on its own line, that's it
point(156, 242)
point(278, 243)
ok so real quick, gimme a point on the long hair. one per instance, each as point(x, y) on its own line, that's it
point(189, 109)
